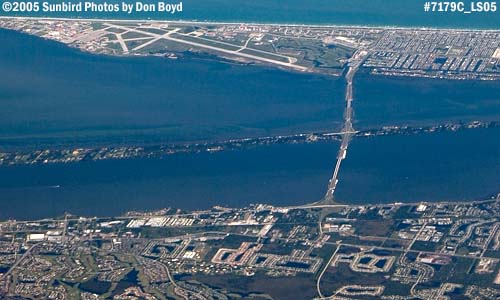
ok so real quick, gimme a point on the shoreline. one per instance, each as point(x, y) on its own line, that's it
point(48, 156)
point(165, 211)
point(58, 189)
point(195, 22)
point(225, 55)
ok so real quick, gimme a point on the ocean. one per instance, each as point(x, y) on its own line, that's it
point(408, 13)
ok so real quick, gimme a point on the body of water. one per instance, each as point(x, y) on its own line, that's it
point(445, 166)
point(386, 101)
point(53, 96)
point(278, 174)
point(408, 13)
point(426, 167)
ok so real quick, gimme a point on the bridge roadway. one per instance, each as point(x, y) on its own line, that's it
point(347, 130)
point(319, 205)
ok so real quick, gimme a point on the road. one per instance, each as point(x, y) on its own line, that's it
point(327, 265)
point(26, 254)
point(347, 130)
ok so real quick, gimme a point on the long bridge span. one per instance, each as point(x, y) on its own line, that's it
point(347, 129)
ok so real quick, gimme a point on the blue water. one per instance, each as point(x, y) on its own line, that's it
point(426, 167)
point(280, 174)
point(385, 101)
point(54, 96)
point(338, 12)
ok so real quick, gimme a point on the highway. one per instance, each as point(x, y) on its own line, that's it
point(327, 265)
point(317, 205)
point(347, 130)
point(26, 254)
point(182, 292)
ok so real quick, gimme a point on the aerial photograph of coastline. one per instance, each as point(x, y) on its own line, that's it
point(258, 150)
